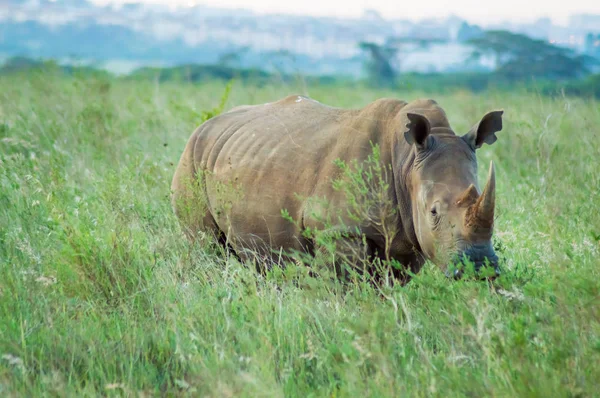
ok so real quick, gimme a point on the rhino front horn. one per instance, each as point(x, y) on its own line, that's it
point(487, 200)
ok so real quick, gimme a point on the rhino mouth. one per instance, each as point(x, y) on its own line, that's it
point(483, 273)
point(484, 266)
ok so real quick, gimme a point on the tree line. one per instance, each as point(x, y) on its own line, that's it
point(517, 58)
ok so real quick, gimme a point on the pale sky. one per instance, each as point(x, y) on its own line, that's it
point(477, 11)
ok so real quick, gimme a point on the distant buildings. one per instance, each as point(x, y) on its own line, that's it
point(203, 34)
point(585, 22)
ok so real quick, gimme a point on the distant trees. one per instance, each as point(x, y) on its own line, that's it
point(233, 58)
point(383, 64)
point(520, 57)
point(31, 66)
point(15, 64)
point(467, 32)
point(379, 64)
point(592, 44)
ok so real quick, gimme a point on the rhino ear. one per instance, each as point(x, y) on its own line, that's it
point(418, 129)
point(485, 130)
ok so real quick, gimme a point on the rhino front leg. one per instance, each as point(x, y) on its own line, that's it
point(345, 255)
point(410, 264)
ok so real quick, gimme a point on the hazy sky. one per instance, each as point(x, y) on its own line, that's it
point(479, 11)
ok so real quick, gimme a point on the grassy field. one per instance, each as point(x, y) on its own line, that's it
point(100, 294)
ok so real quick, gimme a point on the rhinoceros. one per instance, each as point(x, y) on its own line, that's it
point(276, 156)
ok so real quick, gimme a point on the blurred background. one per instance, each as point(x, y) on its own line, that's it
point(435, 44)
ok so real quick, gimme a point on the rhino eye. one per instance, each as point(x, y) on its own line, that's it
point(434, 211)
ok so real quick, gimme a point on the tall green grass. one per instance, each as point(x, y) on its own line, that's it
point(100, 294)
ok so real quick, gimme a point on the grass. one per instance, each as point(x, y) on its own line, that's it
point(100, 294)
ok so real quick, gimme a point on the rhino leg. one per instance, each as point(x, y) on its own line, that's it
point(188, 197)
point(344, 255)
point(411, 264)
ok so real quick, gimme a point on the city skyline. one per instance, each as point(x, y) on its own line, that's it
point(125, 37)
point(514, 11)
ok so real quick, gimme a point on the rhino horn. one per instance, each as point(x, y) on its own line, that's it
point(484, 208)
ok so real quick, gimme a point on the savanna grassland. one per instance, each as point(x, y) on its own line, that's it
point(100, 294)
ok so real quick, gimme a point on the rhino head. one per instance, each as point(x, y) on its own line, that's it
point(453, 219)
